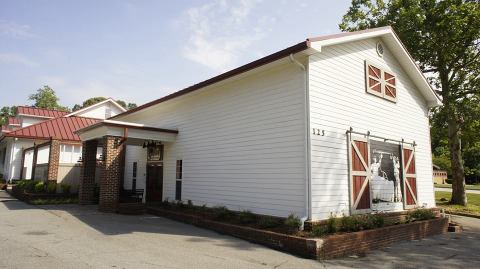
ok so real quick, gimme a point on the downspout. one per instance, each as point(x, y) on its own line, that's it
point(308, 165)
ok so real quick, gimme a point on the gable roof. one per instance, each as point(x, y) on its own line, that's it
point(61, 128)
point(108, 100)
point(39, 112)
point(315, 44)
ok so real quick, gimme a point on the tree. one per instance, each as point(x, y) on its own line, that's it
point(6, 112)
point(444, 37)
point(46, 98)
point(131, 106)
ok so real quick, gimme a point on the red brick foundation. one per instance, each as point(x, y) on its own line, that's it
point(317, 248)
point(86, 191)
point(339, 245)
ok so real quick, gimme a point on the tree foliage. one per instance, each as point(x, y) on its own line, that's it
point(6, 112)
point(444, 37)
point(45, 97)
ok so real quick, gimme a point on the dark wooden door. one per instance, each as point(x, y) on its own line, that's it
point(154, 182)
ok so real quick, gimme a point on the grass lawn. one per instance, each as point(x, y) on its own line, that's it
point(469, 187)
point(473, 206)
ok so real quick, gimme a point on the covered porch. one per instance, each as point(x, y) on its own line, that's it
point(111, 139)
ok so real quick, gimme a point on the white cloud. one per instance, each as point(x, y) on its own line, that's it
point(14, 58)
point(15, 30)
point(221, 31)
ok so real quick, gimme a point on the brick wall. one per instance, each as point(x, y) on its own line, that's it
point(86, 189)
point(110, 177)
point(316, 248)
point(339, 245)
point(53, 160)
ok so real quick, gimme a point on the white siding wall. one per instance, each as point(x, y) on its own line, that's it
point(135, 154)
point(338, 100)
point(27, 121)
point(15, 153)
point(101, 112)
point(242, 143)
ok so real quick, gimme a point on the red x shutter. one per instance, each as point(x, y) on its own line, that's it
point(374, 78)
point(360, 171)
point(410, 177)
point(381, 82)
point(390, 89)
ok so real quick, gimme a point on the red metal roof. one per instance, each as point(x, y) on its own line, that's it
point(62, 128)
point(40, 112)
point(13, 121)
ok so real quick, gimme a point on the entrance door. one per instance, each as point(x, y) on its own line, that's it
point(154, 182)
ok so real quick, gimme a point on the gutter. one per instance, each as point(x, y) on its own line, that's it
point(308, 167)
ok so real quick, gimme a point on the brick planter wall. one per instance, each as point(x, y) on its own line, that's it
point(339, 245)
point(317, 248)
point(300, 246)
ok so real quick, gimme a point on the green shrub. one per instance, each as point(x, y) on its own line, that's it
point(180, 204)
point(165, 203)
point(65, 188)
point(421, 214)
point(247, 217)
point(39, 186)
point(332, 225)
point(350, 224)
point(293, 222)
point(320, 230)
point(52, 187)
point(361, 222)
point(449, 181)
point(190, 204)
point(222, 213)
point(268, 222)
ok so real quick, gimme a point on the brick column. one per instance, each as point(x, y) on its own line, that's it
point(111, 173)
point(53, 160)
point(86, 191)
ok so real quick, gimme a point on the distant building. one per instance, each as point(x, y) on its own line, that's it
point(40, 144)
point(439, 176)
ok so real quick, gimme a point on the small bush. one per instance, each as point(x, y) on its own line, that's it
point(350, 224)
point(247, 217)
point(165, 203)
point(52, 187)
point(39, 186)
point(421, 214)
point(190, 204)
point(65, 188)
point(449, 181)
point(320, 230)
point(222, 213)
point(293, 222)
point(332, 225)
point(180, 204)
point(361, 222)
point(268, 222)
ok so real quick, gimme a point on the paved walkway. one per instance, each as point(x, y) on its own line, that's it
point(450, 190)
point(72, 236)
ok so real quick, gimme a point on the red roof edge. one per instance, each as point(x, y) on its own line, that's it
point(242, 69)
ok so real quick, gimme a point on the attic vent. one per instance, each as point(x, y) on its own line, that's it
point(380, 49)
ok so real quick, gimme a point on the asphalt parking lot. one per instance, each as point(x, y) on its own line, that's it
point(72, 236)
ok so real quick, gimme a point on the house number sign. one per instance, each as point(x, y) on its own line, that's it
point(319, 132)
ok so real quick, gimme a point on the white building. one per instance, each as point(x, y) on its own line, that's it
point(304, 130)
point(27, 140)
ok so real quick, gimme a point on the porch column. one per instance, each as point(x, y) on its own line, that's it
point(86, 191)
point(111, 174)
point(53, 160)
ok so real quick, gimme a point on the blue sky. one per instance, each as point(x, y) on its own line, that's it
point(139, 51)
